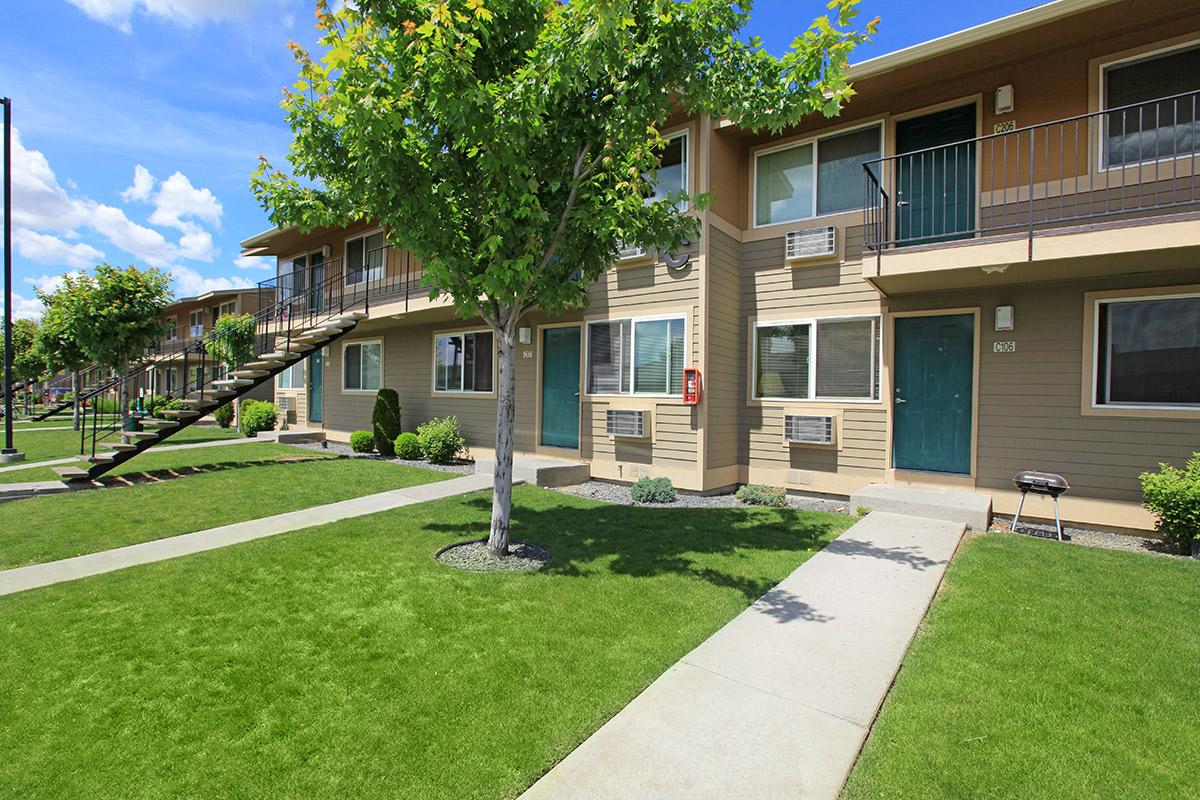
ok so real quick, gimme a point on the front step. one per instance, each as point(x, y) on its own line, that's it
point(71, 473)
point(973, 509)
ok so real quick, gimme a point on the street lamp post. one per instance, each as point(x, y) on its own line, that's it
point(8, 452)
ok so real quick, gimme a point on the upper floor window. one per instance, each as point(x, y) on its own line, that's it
point(822, 176)
point(833, 359)
point(1148, 351)
point(636, 356)
point(196, 322)
point(1155, 121)
point(364, 257)
point(226, 308)
point(463, 362)
point(672, 169)
point(362, 366)
point(170, 328)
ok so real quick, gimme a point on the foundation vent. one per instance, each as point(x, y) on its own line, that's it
point(807, 429)
point(626, 423)
point(811, 243)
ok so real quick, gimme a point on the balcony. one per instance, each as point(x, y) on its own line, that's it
point(387, 281)
point(1052, 200)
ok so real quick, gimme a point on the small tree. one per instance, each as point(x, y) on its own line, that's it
point(58, 340)
point(27, 363)
point(385, 421)
point(232, 340)
point(116, 317)
point(512, 144)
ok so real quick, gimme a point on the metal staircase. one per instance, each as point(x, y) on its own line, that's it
point(286, 332)
point(89, 378)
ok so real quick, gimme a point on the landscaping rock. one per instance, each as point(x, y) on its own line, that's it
point(474, 556)
point(620, 495)
point(342, 449)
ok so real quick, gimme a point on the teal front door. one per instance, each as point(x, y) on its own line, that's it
point(560, 387)
point(935, 177)
point(933, 384)
point(316, 387)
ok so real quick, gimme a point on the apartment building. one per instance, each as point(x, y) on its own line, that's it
point(987, 263)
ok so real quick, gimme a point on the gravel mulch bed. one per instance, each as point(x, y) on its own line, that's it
point(341, 449)
point(475, 557)
point(1088, 537)
point(619, 495)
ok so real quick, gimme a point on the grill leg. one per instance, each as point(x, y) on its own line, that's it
point(1057, 520)
point(1017, 518)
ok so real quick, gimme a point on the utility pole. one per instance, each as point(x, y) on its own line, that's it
point(8, 453)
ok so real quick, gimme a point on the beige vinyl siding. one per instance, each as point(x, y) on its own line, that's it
point(1029, 410)
point(724, 384)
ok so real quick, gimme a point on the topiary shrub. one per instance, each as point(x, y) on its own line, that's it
point(223, 416)
point(362, 442)
point(441, 440)
point(408, 447)
point(757, 494)
point(653, 490)
point(385, 421)
point(256, 416)
point(1173, 495)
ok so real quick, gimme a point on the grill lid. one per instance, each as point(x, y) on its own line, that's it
point(1041, 482)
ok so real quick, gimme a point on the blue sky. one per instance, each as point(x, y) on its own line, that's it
point(140, 121)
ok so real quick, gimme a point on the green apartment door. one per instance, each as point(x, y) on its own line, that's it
point(560, 387)
point(316, 386)
point(933, 393)
point(935, 188)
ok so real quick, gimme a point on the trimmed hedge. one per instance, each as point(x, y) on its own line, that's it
point(653, 490)
point(441, 440)
point(757, 494)
point(385, 421)
point(408, 447)
point(362, 442)
point(256, 416)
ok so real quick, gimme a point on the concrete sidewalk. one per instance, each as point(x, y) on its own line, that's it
point(777, 703)
point(69, 569)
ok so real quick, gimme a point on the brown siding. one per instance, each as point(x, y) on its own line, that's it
point(725, 367)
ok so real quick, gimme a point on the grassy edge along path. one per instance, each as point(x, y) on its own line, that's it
point(43, 445)
point(50, 527)
point(1045, 671)
point(345, 661)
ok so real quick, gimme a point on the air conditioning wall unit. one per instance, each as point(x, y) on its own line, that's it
point(809, 429)
point(626, 423)
point(809, 243)
point(630, 252)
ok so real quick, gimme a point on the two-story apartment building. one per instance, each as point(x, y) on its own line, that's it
point(987, 263)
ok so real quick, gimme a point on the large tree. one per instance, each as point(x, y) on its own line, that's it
point(27, 365)
point(58, 338)
point(511, 145)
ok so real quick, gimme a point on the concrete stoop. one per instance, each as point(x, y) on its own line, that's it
point(972, 509)
point(540, 470)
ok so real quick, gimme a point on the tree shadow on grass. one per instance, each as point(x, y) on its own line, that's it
point(644, 541)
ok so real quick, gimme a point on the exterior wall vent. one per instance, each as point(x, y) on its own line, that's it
point(628, 253)
point(627, 423)
point(811, 243)
point(807, 429)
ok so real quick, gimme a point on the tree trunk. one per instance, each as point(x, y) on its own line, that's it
point(505, 413)
point(76, 390)
point(123, 398)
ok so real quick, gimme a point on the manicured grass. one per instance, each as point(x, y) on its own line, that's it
point(1045, 671)
point(153, 460)
point(50, 527)
point(345, 661)
point(41, 445)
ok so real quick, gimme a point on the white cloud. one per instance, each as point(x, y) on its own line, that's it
point(26, 308)
point(188, 282)
point(38, 199)
point(46, 248)
point(254, 262)
point(143, 184)
point(178, 203)
point(119, 13)
point(51, 283)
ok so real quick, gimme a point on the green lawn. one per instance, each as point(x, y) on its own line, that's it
point(1045, 671)
point(155, 459)
point(41, 445)
point(344, 661)
point(57, 526)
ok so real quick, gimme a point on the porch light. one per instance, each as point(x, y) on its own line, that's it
point(1004, 318)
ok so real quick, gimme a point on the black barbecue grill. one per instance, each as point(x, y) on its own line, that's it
point(1040, 483)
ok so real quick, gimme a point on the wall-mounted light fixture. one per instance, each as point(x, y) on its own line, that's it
point(1004, 99)
point(1004, 318)
point(525, 335)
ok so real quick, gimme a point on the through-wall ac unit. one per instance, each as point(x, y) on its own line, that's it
point(629, 252)
point(808, 429)
point(626, 423)
point(811, 243)
point(284, 402)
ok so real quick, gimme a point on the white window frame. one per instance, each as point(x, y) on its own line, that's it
point(633, 322)
point(470, 392)
point(1102, 102)
point(171, 333)
point(288, 370)
point(232, 308)
point(367, 274)
point(813, 322)
point(815, 142)
point(687, 176)
point(192, 327)
point(1133, 298)
point(342, 366)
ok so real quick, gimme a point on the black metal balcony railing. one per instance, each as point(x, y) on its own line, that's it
point(1127, 162)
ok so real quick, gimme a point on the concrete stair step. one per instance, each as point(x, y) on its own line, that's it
point(280, 355)
point(120, 447)
point(972, 509)
point(139, 435)
point(198, 404)
point(267, 364)
point(208, 396)
point(249, 373)
point(540, 471)
point(180, 413)
point(103, 458)
point(151, 422)
point(233, 382)
point(71, 473)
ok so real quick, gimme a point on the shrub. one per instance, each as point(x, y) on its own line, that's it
point(408, 446)
point(863, 511)
point(757, 494)
point(256, 416)
point(167, 405)
point(362, 442)
point(441, 441)
point(224, 415)
point(653, 490)
point(385, 421)
point(1173, 495)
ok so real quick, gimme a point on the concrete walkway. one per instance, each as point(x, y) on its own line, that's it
point(777, 703)
point(163, 449)
point(69, 569)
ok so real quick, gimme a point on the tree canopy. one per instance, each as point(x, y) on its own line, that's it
point(115, 312)
point(58, 339)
